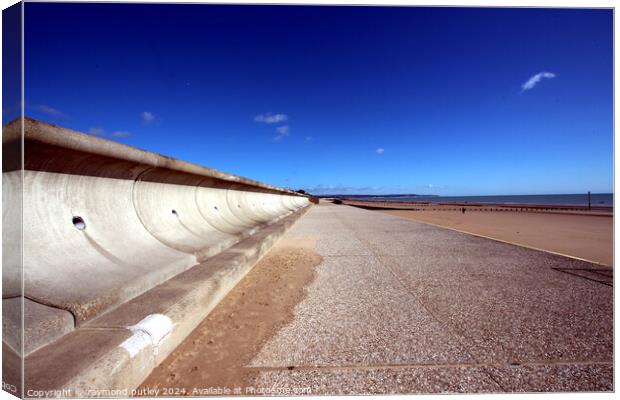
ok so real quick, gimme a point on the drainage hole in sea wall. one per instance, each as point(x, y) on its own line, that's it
point(79, 223)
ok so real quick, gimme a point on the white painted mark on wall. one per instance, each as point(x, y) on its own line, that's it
point(151, 331)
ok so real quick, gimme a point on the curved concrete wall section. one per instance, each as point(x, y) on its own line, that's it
point(11, 233)
point(104, 222)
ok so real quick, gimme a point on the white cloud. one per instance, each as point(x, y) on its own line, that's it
point(120, 133)
point(380, 150)
point(148, 117)
point(270, 118)
point(533, 81)
point(283, 132)
point(48, 110)
point(96, 131)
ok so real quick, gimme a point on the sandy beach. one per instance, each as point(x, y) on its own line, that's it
point(578, 235)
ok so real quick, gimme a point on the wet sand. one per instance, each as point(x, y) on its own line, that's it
point(583, 236)
point(211, 360)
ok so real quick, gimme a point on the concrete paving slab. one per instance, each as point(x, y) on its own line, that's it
point(358, 313)
point(519, 315)
point(554, 378)
point(510, 299)
point(337, 245)
point(413, 308)
point(424, 380)
point(327, 225)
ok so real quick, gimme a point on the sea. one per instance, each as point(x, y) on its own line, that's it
point(557, 199)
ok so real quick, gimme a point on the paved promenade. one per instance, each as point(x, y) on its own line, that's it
point(402, 307)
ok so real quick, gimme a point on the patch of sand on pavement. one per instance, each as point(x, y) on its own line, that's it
point(215, 353)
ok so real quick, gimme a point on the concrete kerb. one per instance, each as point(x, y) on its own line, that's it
point(128, 353)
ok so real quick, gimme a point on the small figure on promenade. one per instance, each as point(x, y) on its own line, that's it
point(463, 210)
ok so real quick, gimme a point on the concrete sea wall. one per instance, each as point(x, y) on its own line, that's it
point(103, 223)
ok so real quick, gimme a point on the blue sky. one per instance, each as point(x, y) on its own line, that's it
point(447, 101)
